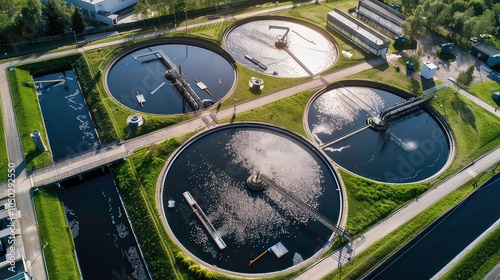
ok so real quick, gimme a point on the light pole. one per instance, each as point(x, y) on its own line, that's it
point(234, 112)
point(74, 35)
point(185, 10)
point(175, 16)
point(8, 59)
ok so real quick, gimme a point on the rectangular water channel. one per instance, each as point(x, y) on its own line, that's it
point(67, 120)
point(104, 241)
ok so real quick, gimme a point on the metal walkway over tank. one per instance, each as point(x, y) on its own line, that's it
point(304, 207)
point(180, 83)
point(403, 108)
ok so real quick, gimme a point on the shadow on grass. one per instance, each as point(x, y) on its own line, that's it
point(427, 83)
point(464, 112)
point(383, 67)
point(30, 158)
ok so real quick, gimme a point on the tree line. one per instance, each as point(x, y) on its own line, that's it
point(28, 19)
point(457, 20)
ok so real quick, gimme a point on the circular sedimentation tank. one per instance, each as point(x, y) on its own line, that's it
point(141, 77)
point(282, 46)
point(216, 166)
point(348, 121)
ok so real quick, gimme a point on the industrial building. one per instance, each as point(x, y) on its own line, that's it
point(486, 53)
point(358, 33)
point(382, 17)
point(104, 11)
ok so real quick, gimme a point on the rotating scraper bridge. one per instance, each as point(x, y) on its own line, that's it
point(177, 79)
point(268, 182)
point(380, 121)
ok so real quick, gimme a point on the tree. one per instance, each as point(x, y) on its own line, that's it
point(58, 16)
point(465, 78)
point(484, 23)
point(29, 23)
point(78, 21)
point(414, 26)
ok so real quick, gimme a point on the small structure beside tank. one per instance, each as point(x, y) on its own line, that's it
point(256, 83)
point(428, 70)
point(410, 66)
point(134, 121)
point(37, 139)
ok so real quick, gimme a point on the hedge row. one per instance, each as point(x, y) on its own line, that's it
point(50, 64)
point(467, 267)
point(102, 119)
point(28, 117)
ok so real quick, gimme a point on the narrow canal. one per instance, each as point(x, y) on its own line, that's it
point(104, 241)
point(67, 120)
point(436, 246)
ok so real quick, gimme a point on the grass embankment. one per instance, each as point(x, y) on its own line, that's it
point(29, 117)
point(477, 263)
point(55, 234)
point(475, 130)
point(4, 155)
point(484, 92)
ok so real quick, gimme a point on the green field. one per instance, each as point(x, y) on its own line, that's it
point(29, 117)
point(477, 263)
point(55, 235)
point(485, 90)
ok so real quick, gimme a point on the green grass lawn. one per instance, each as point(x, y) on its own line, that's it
point(485, 90)
point(55, 235)
point(29, 118)
point(477, 263)
point(475, 130)
point(4, 156)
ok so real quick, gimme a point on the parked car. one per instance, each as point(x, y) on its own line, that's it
point(484, 36)
point(474, 39)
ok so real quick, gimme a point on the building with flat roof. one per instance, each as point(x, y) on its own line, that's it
point(486, 53)
point(104, 11)
point(358, 33)
point(382, 17)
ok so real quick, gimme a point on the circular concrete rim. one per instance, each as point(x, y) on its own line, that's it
point(197, 42)
point(365, 83)
point(342, 219)
point(316, 28)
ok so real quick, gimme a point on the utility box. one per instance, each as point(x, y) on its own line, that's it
point(37, 138)
point(428, 70)
point(399, 41)
point(410, 67)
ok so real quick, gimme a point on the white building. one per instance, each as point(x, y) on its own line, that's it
point(102, 10)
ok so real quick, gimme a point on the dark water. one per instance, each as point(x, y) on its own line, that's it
point(434, 248)
point(146, 74)
point(67, 120)
point(214, 169)
point(104, 242)
point(412, 149)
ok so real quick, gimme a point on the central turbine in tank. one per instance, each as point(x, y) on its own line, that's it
point(283, 40)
